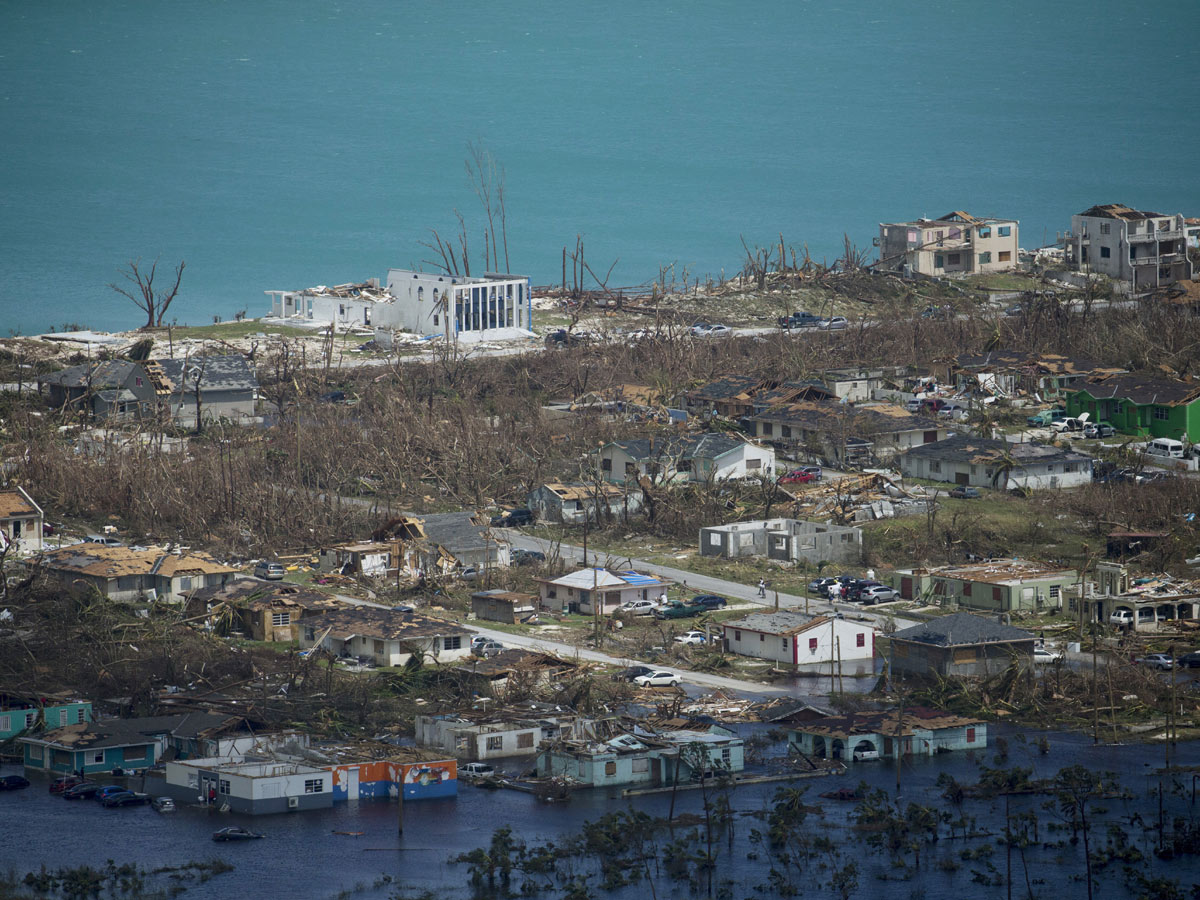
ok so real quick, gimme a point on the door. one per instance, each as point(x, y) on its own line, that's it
point(906, 587)
point(352, 783)
point(961, 478)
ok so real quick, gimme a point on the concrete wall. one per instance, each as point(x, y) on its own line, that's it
point(784, 540)
point(459, 304)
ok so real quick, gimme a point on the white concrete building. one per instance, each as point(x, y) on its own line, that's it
point(684, 458)
point(254, 788)
point(1144, 249)
point(459, 305)
point(796, 639)
point(956, 243)
point(364, 304)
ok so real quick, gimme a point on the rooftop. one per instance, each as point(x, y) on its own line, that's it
point(987, 451)
point(15, 502)
point(961, 629)
point(124, 732)
point(1142, 389)
point(821, 415)
point(581, 491)
point(1004, 571)
point(1119, 211)
point(587, 579)
point(103, 561)
point(386, 624)
point(889, 722)
point(216, 373)
point(686, 446)
point(957, 217)
point(778, 622)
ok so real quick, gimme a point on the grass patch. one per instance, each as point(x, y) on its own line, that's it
point(232, 330)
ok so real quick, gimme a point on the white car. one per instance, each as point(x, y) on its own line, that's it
point(837, 323)
point(700, 329)
point(1042, 656)
point(657, 678)
point(718, 331)
point(638, 607)
point(692, 637)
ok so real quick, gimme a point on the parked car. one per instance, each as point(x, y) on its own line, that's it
point(1042, 656)
point(333, 396)
point(59, 785)
point(877, 593)
point(125, 798)
point(81, 791)
point(638, 607)
point(163, 804)
point(717, 331)
point(937, 312)
point(820, 586)
point(476, 770)
point(963, 492)
point(1159, 661)
point(561, 339)
point(488, 649)
point(478, 639)
point(676, 610)
point(235, 833)
point(1121, 617)
point(1189, 660)
point(522, 557)
point(632, 672)
point(513, 518)
point(1070, 423)
point(1098, 430)
point(1046, 417)
point(816, 472)
point(691, 637)
point(699, 329)
point(106, 540)
point(797, 476)
point(657, 678)
point(836, 323)
point(468, 573)
point(13, 782)
point(270, 571)
point(709, 601)
point(107, 791)
point(801, 319)
point(1015, 310)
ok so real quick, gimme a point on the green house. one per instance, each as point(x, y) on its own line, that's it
point(20, 714)
point(1141, 405)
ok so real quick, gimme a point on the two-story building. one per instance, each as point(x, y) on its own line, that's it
point(844, 433)
point(1145, 249)
point(957, 243)
point(22, 713)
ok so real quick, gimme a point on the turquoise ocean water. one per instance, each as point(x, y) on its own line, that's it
point(284, 143)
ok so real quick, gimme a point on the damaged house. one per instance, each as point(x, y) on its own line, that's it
point(577, 502)
point(784, 540)
point(389, 637)
point(21, 522)
point(515, 731)
point(683, 457)
point(844, 433)
point(261, 610)
point(1008, 373)
point(795, 639)
point(960, 644)
point(997, 585)
point(128, 574)
point(956, 243)
point(912, 731)
point(1147, 406)
point(1143, 249)
point(1004, 465)
point(431, 543)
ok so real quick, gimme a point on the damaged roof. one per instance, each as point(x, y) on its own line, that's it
point(728, 387)
point(961, 629)
point(889, 722)
point(1143, 390)
point(110, 373)
point(819, 415)
point(1120, 211)
point(457, 532)
point(126, 732)
point(687, 446)
point(1051, 363)
point(989, 451)
point(15, 503)
point(386, 624)
point(1004, 571)
point(778, 622)
point(216, 373)
point(581, 491)
point(103, 561)
point(253, 593)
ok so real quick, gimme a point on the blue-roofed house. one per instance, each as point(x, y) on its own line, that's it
point(590, 590)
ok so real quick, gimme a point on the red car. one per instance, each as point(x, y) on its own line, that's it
point(59, 785)
point(797, 476)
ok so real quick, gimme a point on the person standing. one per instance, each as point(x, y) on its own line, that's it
point(835, 591)
point(762, 588)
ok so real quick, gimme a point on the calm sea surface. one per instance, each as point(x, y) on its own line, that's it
point(284, 143)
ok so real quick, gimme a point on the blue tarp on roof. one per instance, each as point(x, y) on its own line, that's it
point(637, 578)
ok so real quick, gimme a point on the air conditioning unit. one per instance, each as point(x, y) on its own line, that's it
point(293, 802)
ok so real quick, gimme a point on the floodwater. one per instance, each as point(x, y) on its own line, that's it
point(302, 856)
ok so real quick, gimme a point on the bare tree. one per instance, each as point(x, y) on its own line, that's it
point(153, 301)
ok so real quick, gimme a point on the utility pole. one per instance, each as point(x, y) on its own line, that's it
point(899, 747)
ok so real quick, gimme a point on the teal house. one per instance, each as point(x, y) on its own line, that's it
point(644, 759)
point(1141, 405)
point(102, 746)
point(21, 714)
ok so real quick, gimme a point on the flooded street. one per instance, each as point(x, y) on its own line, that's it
point(302, 856)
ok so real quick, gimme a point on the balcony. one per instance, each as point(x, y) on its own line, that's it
point(1146, 237)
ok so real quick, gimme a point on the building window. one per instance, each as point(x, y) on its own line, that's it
point(452, 643)
point(495, 742)
point(5, 723)
point(435, 320)
point(766, 429)
point(860, 640)
point(785, 431)
point(641, 764)
point(1162, 413)
point(1105, 253)
point(610, 768)
point(985, 232)
point(784, 643)
point(966, 589)
point(1054, 591)
point(935, 465)
point(63, 715)
point(997, 594)
point(314, 785)
point(1105, 228)
point(970, 735)
point(985, 258)
point(955, 260)
point(1004, 256)
point(377, 648)
point(223, 786)
point(761, 637)
point(606, 465)
point(525, 740)
point(97, 757)
point(29, 719)
point(754, 464)
point(737, 635)
point(812, 645)
point(280, 619)
point(80, 714)
point(137, 382)
point(726, 756)
point(1005, 231)
point(185, 583)
point(420, 295)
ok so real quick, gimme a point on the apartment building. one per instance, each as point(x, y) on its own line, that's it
point(1144, 249)
point(957, 243)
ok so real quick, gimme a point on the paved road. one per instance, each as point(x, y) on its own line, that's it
point(570, 651)
point(701, 584)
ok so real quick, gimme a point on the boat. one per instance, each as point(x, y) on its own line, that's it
point(235, 833)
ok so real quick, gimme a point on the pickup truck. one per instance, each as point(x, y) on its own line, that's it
point(803, 319)
point(1047, 417)
point(676, 610)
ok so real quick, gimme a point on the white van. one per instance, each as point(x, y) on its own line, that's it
point(1165, 447)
